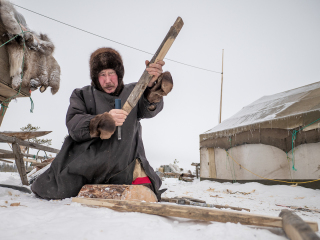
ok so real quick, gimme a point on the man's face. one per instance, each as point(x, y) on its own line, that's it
point(108, 80)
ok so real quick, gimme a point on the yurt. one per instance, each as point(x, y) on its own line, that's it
point(274, 140)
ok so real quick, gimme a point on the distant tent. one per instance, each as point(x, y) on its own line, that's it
point(275, 138)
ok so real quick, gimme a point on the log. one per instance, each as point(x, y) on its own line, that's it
point(9, 139)
point(118, 192)
point(159, 55)
point(196, 213)
point(295, 228)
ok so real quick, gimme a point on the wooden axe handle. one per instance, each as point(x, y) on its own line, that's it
point(159, 55)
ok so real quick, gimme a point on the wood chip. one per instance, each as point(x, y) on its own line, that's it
point(15, 204)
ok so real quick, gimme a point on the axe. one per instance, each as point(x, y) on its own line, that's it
point(159, 55)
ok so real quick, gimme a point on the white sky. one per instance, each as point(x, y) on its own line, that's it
point(270, 47)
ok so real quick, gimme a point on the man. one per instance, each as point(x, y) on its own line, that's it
point(92, 153)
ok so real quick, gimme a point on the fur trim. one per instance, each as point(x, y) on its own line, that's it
point(163, 86)
point(106, 58)
point(102, 126)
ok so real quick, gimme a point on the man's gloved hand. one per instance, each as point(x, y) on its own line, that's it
point(162, 87)
point(102, 126)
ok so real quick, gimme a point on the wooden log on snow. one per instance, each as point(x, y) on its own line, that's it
point(199, 203)
point(118, 192)
point(295, 227)
point(195, 213)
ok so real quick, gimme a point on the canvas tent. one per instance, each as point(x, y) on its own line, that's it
point(275, 138)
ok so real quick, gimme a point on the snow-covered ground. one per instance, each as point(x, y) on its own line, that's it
point(58, 220)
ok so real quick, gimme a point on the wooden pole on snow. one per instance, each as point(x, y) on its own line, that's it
point(196, 213)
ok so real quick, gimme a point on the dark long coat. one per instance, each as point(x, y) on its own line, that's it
point(85, 160)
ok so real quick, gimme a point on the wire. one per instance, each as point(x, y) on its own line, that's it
point(112, 40)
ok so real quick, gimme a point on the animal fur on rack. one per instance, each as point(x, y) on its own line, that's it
point(40, 69)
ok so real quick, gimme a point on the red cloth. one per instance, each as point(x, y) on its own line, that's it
point(141, 180)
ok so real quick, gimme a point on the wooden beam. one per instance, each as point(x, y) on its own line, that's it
point(24, 154)
point(7, 155)
point(20, 164)
point(295, 227)
point(159, 55)
point(9, 139)
point(13, 156)
point(196, 213)
point(3, 160)
point(23, 135)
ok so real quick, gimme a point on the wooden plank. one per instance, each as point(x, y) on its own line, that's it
point(24, 154)
point(9, 139)
point(159, 55)
point(20, 164)
point(196, 213)
point(212, 163)
point(295, 227)
point(8, 155)
point(23, 135)
point(3, 160)
point(118, 192)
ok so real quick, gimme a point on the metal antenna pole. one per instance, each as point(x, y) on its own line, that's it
point(221, 88)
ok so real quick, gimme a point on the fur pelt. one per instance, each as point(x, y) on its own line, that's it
point(40, 69)
point(106, 58)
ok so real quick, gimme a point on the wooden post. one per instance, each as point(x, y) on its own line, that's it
point(197, 213)
point(221, 88)
point(295, 227)
point(19, 162)
point(3, 111)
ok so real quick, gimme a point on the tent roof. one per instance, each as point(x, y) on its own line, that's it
point(286, 110)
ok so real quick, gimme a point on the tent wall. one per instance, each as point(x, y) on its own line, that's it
point(264, 160)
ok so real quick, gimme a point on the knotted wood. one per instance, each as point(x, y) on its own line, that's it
point(118, 192)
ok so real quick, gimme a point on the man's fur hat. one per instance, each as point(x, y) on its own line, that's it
point(106, 58)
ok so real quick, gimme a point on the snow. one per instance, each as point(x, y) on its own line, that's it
point(269, 108)
point(41, 219)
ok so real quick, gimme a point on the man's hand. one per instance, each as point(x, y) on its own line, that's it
point(102, 126)
point(154, 69)
point(163, 86)
point(119, 116)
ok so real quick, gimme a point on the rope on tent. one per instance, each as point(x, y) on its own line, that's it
point(269, 178)
point(10, 98)
point(294, 136)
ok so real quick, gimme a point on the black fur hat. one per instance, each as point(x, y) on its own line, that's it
point(106, 58)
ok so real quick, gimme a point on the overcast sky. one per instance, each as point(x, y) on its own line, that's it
point(269, 47)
